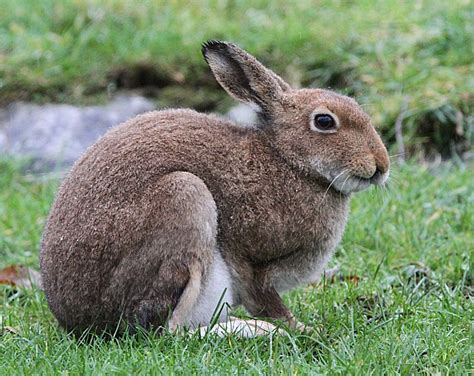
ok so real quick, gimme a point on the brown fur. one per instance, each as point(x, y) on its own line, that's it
point(144, 207)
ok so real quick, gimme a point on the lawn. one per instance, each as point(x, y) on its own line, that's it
point(404, 306)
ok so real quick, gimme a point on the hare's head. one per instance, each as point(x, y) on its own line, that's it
point(322, 133)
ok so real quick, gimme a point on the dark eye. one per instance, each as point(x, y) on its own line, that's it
point(324, 122)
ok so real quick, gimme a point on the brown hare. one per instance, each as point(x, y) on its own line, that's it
point(175, 213)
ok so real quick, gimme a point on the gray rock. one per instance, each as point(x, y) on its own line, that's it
point(55, 135)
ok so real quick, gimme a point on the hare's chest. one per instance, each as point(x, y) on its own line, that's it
point(302, 227)
point(308, 248)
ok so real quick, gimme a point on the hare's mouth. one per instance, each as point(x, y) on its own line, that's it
point(348, 183)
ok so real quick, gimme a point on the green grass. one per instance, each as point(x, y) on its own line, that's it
point(395, 57)
point(410, 313)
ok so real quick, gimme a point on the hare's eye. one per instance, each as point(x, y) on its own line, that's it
point(324, 122)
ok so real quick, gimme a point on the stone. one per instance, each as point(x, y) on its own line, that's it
point(53, 136)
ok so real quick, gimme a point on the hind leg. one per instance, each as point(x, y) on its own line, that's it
point(161, 279)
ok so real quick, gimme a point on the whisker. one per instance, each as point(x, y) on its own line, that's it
point(342, 187)
point(393, 180)
point(395, 155)
point(332, 182)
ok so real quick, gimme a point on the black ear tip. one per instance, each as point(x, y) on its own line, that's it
point(212, 45)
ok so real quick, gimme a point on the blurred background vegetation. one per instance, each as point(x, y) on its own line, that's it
point(407, 62)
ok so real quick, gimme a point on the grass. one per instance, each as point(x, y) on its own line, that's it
point(407, 60)
point(410, 247)
point(410, 313)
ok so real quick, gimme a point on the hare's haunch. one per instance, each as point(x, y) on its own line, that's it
point(174, 215)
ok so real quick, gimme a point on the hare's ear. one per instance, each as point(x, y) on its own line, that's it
point(243, 76)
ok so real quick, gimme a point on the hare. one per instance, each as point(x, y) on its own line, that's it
point(173, 214)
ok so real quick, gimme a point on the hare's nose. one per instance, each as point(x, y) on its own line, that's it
point(377, 174)
point(382, 164)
